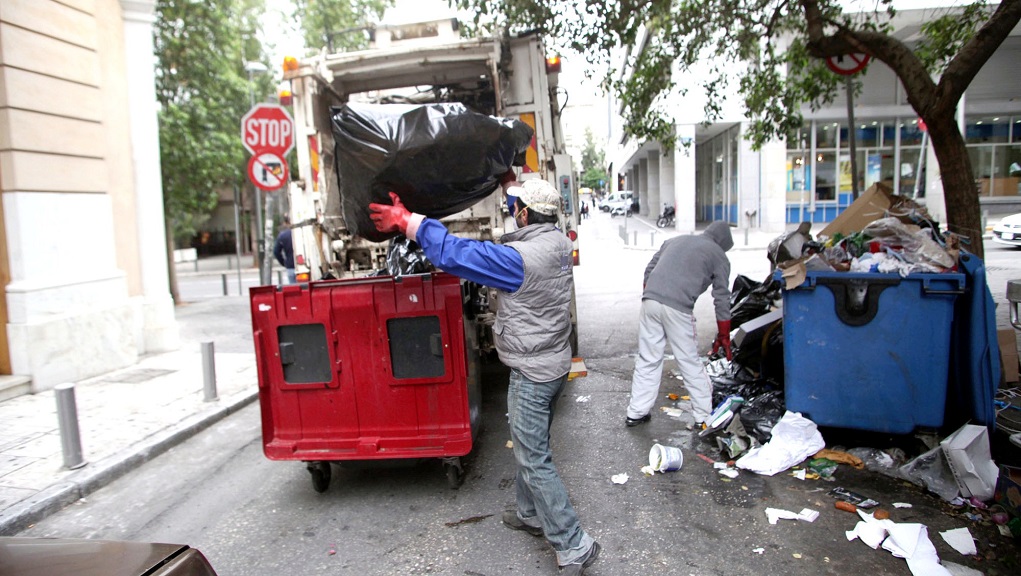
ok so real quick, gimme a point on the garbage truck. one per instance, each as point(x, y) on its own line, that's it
point(426, 62)
point(358, 365)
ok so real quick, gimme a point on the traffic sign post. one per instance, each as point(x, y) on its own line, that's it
point(848, 65)
point(267, 132)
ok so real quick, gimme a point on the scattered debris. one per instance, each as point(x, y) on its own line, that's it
point(776, 514)
point(621, 478)
point(960, 539)
point(583, 398)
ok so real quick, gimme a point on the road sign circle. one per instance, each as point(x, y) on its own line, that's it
point(267, 128)
point(267, 170)
point(848, 64)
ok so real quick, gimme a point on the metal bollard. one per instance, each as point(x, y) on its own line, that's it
point(1014, 300)
point(67, 417)
point(223, 278)
point(652, 238)
point(635, 241)
point(230, 263)
point(208, 372)
point(196, 264)
point(280, 278)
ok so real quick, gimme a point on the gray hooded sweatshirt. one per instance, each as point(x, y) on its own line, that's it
point(685, 266)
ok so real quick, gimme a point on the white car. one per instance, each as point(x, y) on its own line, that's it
point(1008, 231)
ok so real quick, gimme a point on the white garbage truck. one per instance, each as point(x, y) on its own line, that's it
point(421, 63)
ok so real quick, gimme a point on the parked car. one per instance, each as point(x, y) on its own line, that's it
point(1008, 231)
point(618, 200)
point(65, 556)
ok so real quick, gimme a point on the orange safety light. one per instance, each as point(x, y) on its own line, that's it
point(285, 97)
point(553, 65)
point(302, 277)
point(290, 64)
point(576, 256)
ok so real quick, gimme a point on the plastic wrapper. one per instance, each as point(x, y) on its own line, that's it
point(405, 257)
point(930, 471)
point(439, 158)
point(916, 247)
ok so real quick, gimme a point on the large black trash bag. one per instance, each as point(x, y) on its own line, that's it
point(750, 299)
point(439, 158)
point(760, 413)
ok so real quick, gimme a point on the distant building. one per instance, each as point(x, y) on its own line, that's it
point(808, 177)
point(83, 258)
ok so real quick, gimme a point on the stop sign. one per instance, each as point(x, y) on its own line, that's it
point(267, 128)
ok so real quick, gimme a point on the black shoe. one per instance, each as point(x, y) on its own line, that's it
point(586, 561)
point(511, 520)
point(636, 421)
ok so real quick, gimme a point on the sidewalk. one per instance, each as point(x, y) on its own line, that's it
point(127, 416)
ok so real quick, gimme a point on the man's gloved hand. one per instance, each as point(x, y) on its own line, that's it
point(723, 338)
point(390, 218)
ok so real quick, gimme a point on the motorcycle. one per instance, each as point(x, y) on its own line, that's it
point(666, 219)
point(622, 210)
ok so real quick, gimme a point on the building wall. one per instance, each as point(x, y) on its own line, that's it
point(74, 296)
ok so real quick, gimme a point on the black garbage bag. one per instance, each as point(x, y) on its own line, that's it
point(439, 158)
point(761, 412)
point(750, 299)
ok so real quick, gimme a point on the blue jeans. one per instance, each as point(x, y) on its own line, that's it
point(541, 495)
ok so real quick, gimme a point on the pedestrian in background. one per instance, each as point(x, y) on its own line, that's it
point(283, 250)
point(531, 268)
point(676, 276)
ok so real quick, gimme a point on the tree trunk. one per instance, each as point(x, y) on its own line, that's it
point(171, 266)
point(962, 206)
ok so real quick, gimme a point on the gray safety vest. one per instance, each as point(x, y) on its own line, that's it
point(533, 324)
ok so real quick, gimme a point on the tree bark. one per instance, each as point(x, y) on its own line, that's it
point(171, 265)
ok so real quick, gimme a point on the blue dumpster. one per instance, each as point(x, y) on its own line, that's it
point(869, 351)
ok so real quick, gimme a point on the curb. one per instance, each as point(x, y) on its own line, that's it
point(97, 475)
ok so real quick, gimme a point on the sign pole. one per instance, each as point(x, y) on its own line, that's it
point(267, 265)
point(260, 241)
point(851, 137)
point(237, 231)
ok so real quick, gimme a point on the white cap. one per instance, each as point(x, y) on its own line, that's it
point(539, 196)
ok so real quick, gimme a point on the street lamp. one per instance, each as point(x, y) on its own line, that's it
point(253, 68)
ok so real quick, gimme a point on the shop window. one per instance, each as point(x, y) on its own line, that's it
point(909, 173)
point(826, 176)
point(866, 136)
point(910, 134)
point(988, 130)
point(826, 134)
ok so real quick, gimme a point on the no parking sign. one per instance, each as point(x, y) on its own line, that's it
point(267, 170)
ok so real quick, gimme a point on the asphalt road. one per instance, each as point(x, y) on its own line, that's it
point(254, 517)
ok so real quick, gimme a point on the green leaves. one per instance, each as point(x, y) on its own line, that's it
point(338, 25)
point(203, 90)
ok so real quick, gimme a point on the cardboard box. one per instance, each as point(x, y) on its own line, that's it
point(875, 203)
point(756, 327)
point(1008, 355)
point(1008, 490)
point(969, 458)
point(872, 205)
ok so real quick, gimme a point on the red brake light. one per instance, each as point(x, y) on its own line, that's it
point(299, 259)
point(572, 235)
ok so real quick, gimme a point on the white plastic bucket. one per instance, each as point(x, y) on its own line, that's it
point(665, 458)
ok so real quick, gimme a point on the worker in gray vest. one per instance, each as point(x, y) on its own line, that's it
point(531, 268)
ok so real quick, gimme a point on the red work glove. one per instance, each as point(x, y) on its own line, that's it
point(723, 338)
point(507, 177)
point(390, 218)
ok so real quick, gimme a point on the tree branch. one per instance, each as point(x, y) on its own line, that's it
point(972, 56)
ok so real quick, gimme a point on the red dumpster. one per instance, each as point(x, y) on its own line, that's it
point(366, 369)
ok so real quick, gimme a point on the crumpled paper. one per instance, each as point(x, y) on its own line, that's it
point(908, 541)
point(794, 439)
point(775, 514)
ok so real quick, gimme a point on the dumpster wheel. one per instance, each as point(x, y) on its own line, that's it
point(454, 471)
point(320, 475)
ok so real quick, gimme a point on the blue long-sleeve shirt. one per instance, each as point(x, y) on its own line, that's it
point(485, 263)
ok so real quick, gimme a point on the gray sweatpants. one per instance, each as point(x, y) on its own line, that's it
point(659, 324)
